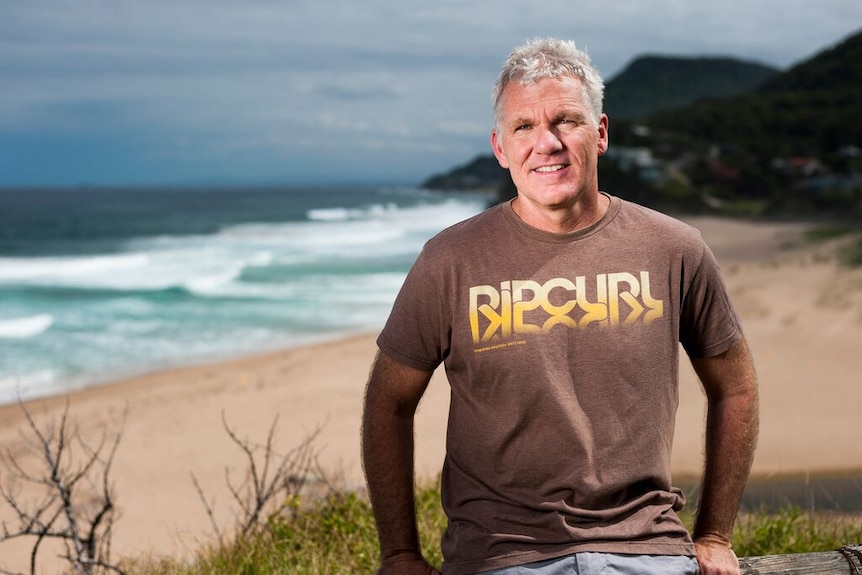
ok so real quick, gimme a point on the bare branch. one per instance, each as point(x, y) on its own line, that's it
point(75, 503)
point(209, 509)
point(267, 475)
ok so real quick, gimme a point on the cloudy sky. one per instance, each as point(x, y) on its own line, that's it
point(112, 92)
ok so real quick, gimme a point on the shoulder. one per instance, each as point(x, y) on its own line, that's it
point(485, 225)
point(653, 229)
point(636, 214)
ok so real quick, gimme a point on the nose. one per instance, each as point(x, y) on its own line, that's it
point(547, 141)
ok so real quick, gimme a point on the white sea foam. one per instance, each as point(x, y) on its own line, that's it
point(28, 385)
point(25, 327)
point(329, 214)
point(212, 284)
point(67, 269)
point(337, 271)
point(328, 231)
point(242, 290)
point(176, 266)
point(343, 214)
point(261, 259)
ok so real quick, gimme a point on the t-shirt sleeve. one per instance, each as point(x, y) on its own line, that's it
point(709, 324)
point(415, 333)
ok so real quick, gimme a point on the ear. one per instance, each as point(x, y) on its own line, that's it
point(603, 142)
point(497, 147)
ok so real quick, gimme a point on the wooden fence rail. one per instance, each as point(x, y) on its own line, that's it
point(847, 560)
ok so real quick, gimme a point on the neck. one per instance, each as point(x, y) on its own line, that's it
point(562, 220)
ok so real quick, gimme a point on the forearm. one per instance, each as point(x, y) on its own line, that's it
point(387, 450)
point(730, 383)
point(731, 436)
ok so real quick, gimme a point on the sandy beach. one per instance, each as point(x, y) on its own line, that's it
point(802, 314)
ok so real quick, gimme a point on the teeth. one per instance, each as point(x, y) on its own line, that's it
point(550, 168)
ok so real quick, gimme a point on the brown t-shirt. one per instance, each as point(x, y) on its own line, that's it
point(562, 356)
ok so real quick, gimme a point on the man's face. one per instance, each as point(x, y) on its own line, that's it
point(548, 140)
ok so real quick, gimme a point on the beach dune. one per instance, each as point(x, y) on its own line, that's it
point(802, 314)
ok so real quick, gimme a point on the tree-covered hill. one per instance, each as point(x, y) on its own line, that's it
point(651, 84)
point(481, 172)
point(813, 109)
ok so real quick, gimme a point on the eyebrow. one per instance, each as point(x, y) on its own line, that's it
point(576, 115)
point(571, 114)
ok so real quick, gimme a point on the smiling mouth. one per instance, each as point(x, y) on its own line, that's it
point(549, 169)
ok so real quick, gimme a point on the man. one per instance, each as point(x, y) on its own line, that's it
point(559, 316)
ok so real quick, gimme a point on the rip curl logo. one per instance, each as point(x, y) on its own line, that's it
point(524, 306)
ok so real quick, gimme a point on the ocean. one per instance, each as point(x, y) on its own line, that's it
point(100, 284)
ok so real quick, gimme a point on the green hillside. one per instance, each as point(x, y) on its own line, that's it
point(813, 109)
point(655, 83)
point(482, 172)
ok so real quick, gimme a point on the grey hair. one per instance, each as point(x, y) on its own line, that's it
point(542, 58)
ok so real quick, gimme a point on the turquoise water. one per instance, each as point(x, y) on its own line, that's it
point(101, 284)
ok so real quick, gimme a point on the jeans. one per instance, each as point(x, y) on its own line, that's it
point(605, 564)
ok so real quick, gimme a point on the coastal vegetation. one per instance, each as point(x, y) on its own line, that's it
point(847, 239)
point(336, 536)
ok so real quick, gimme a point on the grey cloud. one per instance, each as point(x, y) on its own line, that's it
point(354, 92)
point(258, 82)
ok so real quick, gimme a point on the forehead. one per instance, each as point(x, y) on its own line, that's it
point(542, 96)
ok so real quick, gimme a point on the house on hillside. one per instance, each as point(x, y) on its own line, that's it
point(649, 168)
point(798, 167)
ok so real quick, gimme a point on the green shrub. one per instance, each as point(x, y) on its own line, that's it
point(849, 249)
point(793, 531)
point(337, 536)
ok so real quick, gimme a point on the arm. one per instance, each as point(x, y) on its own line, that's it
point(391, 398)
point(731, 434)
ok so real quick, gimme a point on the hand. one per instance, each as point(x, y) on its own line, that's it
point(406, 564)
point(715, 556)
